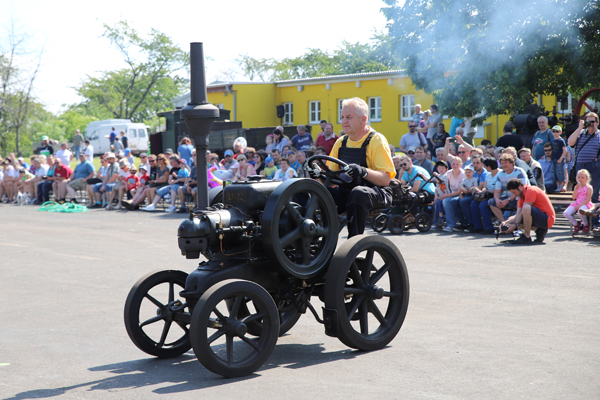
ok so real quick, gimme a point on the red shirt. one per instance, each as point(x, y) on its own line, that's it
point(63, 172)
point(327, 144)
point(132, 182)
point(535, 195)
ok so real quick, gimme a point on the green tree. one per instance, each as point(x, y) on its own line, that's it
point(350, 58)
point(494, 55)
point(146, 86)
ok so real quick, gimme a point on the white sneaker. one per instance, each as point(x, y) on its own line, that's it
point(171, 209)
point(118, 207)
point(448, 229)
point(149, 208)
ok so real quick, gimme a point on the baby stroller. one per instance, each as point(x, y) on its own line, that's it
point(409, 210)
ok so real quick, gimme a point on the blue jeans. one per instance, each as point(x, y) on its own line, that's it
point(76, 150)
point(439, 208)
point(465, 207)
point(451, 207)
point(481, 212)
point(43, 191)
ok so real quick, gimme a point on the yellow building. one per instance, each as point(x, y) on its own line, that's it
point(391, 97)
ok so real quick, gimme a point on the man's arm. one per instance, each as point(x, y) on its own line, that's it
point(575, 135)
point(378, 178)
point(466, 145)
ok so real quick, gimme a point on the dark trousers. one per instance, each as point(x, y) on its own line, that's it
point(357, 202)
point(43, 191)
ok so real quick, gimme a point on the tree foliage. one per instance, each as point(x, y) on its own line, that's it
point(148, 83)
point(350, 58)
point(494, 55)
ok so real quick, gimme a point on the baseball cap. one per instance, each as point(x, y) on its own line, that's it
point(412, 148)
point(169, 151)
point(127, 151)
point(110, 155)
point(123, 163)
point(133, 168)
point(525, 149)
point(268, 160)
point(469, 167)
point(44, 137)
point(557, 128)
point(143, 155)
point(228, 153)
point(142, 167)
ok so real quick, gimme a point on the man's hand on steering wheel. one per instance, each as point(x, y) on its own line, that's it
point(357, 171)
point(340, 177)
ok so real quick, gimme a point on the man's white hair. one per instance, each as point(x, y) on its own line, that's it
point(544, 117)
point(361, 107)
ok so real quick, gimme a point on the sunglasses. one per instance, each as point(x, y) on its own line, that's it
point(591, 122)
point(547, 150)
point(411, 152)
point(412, 126)
point(152, 160)
point(403, 164)
point(461, 152)
point(143, 157)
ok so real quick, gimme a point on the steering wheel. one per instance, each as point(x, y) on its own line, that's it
point(318, 169)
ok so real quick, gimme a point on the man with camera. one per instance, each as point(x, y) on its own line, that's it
point(370, 165)
point(534, 212)
point(586, 142)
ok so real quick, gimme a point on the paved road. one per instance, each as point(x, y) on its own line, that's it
point(485, 321)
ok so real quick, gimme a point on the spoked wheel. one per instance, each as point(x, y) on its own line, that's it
point(423, 222)
point(219, 333)
point(379, 223)
point(300, 227)
point(396, 223)
point(155, 318)
point(288, 316)
point(367, 284)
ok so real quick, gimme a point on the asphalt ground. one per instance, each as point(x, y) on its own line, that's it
point(486, 320)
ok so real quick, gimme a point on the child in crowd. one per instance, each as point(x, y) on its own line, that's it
point(582, 194)
point(468, 183)
point(270, 143)
point(559, 153)
point(441, 187)
point(132, 181)
point(140, 191)
point(270, 169)
point(293, 163)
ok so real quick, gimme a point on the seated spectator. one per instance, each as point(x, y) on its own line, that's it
point(259, 162)
point(10, 177)
point(117, 147)
point(463, 210)
point(422, 161)
point(454, 177)
point(45, 186)
point(120, 186)
point(244, 171)
point(24, 176)
point(270, 142)
point(144, 161)
point(62, 173)
point(129, 157)
point(319, 151)
point(239, 147)
point(466, 202)
point(250, 156)
point(159, 176)
point(78, 180)
point(397, 167)
point(276, 156)
point(521, 164)
point(177, 178)
point(582, 194)
point(270, 168)
point(534, 166)
point(293, 163)
point(189, 188)
point(97, 178)
point(40, 170)
point(411, 153)
point(285, 173)
point(302, 160)
point(480, 210)
point(109, 181)
point(280, 140)
point(140, 191)
point(414, 177)
point(441, 188)
point(464, 150)
point(503, 199)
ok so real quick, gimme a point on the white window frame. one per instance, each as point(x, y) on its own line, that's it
point(374, 109)
point(314, 112)
point(288, 116)
point(340, 110)
point(407, 110)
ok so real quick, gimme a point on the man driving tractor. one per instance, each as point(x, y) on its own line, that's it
point(370, 164)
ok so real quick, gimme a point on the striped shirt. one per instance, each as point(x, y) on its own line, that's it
point(589, 152)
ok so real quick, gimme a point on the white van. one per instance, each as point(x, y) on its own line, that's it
point(97, 133)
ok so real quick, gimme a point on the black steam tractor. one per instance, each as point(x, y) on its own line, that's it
point(270, 248)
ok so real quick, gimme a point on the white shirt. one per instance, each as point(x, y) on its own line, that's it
point(42, 170)
point(284, 176)
point(89, 151)
point(64, 156)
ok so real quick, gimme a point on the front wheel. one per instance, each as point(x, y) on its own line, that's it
point(152, 313)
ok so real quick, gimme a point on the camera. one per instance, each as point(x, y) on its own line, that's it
point(452, 140)
point(586, 124)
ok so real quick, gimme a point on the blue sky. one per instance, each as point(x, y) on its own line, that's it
point(69, 32)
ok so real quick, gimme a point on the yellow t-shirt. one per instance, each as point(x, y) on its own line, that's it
point(379, 157)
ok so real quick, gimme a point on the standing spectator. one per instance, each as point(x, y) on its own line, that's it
point(322, 124)
point(422, 161)
point(78, 180)
point(418, 115)
point(327, 139)
point(559, 154)
point(534, 166)
point(118, 147)
point(77, 142)
point(124, 140)
point(46, 148)
point(439, 138)
point(412, 138)
point(509, 139)
point(541, 137)
point(64, 155)
point(89, 150)
point(279, 139)
point(432, 125)
point(112, 137)
point(549, 170)
point(503, 200)
point(569, 165)
point(586, 142)
point(129, 157)
point(302, 141)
